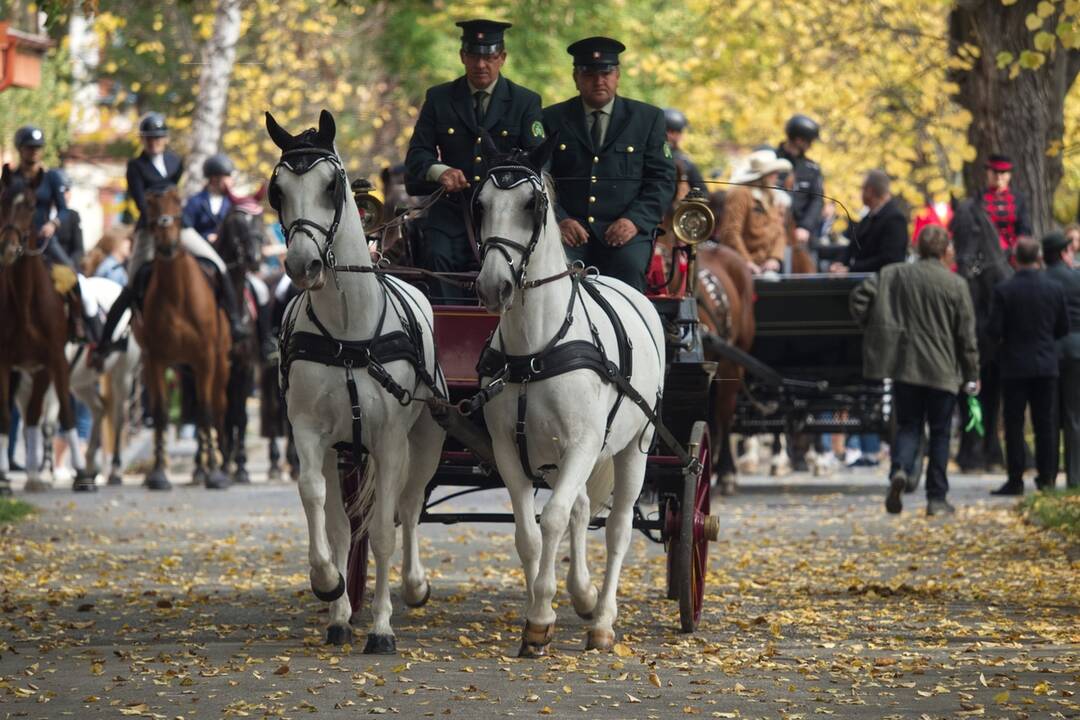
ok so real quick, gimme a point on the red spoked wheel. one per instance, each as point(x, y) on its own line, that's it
point(352, 475)
point(690, 527)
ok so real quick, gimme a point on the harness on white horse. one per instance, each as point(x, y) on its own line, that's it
point(557, 359)
point(323, 348)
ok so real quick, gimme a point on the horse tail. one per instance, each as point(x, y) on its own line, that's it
point(360, 501)
point(600, 485)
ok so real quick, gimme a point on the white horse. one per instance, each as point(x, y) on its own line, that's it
point(120, 369)
point(587, 457)
point(344, 302)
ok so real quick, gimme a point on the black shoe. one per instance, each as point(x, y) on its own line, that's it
point(893, 501)
point(939, 506)
point(1009, 488)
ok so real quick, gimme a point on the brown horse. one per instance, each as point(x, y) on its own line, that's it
point(181, 324)
point(35, 331)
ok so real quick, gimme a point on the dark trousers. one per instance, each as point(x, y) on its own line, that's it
point(916, 406)
point(979, 452)
point(1041, 395)
point(1069, 397)
point(447, 252)
point(627, 263)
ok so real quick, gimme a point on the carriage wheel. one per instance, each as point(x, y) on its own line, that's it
point(690, 527)
point(357, 566)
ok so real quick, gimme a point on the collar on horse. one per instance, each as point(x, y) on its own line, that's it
point(299, 161)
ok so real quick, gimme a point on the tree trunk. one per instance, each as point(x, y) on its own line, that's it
point(1021, 117)
point(218, 58)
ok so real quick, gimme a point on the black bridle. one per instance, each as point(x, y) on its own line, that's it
point(507, 177)
point(163, 223)
point(299, 161)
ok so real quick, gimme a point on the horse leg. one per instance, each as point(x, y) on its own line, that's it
point(339, 534)
point(61, 374)
point(5, 428)
point(327, 582)
point(554, 520)
point(425, 447)
point(382, 534)
point(725, 397)
point(629, 477)
point(583, 593)
point(120, 376)
point(274, 473)
point(155, 385)
point(239, 449)
point(39, 386)
point(207, 386)
point(527, 537)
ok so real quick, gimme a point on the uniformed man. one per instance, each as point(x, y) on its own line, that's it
point(808, 185)
point(613, 168)
point(676, 128)
point(445, 146)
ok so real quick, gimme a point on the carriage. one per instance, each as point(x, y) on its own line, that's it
point(681, 521)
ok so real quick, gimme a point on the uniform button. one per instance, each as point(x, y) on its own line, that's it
point(592, 198)
point(478, 140)
point(595, 160)
point(630, 149)
point(504, 133)
point(478, 159)
point(476, 178)
point(450, 131)
point(593, 178)
point(562, 146)
point(592, 219)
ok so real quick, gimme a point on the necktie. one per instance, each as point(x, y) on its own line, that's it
point(478, 105)
point(597, 134)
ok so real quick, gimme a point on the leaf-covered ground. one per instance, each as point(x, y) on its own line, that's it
point(195, 605)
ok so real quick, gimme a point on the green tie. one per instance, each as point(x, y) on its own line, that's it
point(478, 106)
point(597, 130)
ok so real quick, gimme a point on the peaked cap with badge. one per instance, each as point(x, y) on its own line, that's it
point(630, 174)
point(448, 134)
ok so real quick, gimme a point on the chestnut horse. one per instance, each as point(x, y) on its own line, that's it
point(35, 331)
point(182, 324)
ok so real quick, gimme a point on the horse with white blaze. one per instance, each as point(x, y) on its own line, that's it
point(358, 360)
point(581, 357)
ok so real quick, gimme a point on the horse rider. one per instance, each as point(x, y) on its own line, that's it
point(446, 143)
point(49, 211)
point(205, 210)
point(676, 127)
point(808, 183)
point(613, 169)
point(158, 169)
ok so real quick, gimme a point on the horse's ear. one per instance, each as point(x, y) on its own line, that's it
point(327, 128)
point(540, 155)
point(281, 137)
point(488, 150)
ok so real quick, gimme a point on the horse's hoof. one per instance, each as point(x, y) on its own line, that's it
point(727, 485)
point(83, 482)
point(535, 640)
point(602, 640)
point(199, 477)
point(333, 594)
point(217, 480)
point(156, 480)
point(115, 479)
point(338, 635)
point(5, 487)
point(36, 485)
point(273, 474)
point(241, 477)
point(380, 645)
point(422, 601)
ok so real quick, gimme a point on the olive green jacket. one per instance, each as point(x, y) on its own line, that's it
point(919, 326)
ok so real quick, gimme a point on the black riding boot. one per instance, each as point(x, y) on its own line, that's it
point(231, 303)
point(104, 345)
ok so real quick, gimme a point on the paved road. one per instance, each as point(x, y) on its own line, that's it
point(194, 604)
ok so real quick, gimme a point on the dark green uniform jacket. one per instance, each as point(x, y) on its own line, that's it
point(632, 176)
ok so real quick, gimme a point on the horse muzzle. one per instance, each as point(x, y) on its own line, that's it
point(311, 277)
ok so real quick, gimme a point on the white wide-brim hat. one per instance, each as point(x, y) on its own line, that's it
point(758, 164)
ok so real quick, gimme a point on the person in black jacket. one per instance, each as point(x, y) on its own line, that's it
point(808, 183)
point(69, 233)
point(879, 239)
point(1027, 317)
point(1059, 256)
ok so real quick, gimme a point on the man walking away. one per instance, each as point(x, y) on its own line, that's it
point(920, 331)
point(1027, 317)
point(1060, 267)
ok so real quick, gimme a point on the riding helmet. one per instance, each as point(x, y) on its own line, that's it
point(801, 126)
point(675, 120)
point(215, 165)
point(152, 124)
point(29, 136)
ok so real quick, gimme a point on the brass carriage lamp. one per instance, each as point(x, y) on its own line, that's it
point(693, 222)
point(20, 57)
point(369, 205)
